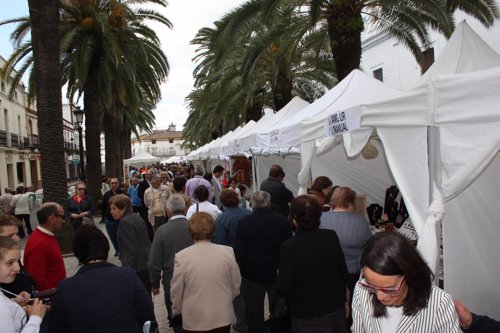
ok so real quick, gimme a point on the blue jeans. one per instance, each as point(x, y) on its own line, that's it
point(112, 229)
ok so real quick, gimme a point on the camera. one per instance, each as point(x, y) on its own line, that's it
point(45, 296)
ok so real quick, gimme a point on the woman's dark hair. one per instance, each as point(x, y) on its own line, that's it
point(89, 244)
point(321, 183)
point(20, 189)
point(179, 183)
point(201, 193)
point(208, 176)
point(229, 198)
point(306, 212)
point(390, 253)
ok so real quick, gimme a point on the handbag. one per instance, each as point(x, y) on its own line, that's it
point(279, 320)
point(87, 221)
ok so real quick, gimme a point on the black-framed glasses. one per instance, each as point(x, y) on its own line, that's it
point(81, 189)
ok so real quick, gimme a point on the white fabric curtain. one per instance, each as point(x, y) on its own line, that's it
point(289, 163)
point(470, 243)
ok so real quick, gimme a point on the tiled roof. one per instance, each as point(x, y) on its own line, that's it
point(161, 135)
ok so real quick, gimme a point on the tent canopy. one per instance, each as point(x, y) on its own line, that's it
point(262, 134)
point(142, 157)
point(439, 139)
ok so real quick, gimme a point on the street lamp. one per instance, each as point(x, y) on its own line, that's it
point(78, 112)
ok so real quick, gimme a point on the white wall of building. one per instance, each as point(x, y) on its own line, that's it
point(400, 69)
point(17, 127)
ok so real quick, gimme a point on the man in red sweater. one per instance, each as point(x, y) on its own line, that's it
point(42, 255)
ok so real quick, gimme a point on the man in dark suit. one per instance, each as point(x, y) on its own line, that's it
point(257, 248)
point(280, 195)
point(169, 239)
point(143, 186)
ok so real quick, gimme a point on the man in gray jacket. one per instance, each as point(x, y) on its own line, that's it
point(169, 239)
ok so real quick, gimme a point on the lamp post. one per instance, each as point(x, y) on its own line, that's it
point(78, 112)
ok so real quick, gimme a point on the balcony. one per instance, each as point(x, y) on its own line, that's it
point(14, 140)
point(3, 138)
point(34, 142)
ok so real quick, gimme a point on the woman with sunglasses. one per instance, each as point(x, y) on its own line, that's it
point(79, 206)
point(395, 292)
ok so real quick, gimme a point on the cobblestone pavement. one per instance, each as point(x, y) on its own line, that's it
point(72, 267)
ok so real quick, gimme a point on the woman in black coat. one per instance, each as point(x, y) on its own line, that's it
point(312, 272)
point(79, 206)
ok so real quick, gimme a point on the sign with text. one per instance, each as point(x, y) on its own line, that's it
point(342, 122)
point(275, 136)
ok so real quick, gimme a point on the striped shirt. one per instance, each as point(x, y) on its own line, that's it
point(438, 317)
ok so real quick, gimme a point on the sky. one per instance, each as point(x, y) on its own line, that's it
point(187, 17)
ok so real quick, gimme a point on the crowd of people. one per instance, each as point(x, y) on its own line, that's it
point(218, 251)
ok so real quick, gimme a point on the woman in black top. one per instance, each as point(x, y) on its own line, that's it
point(312, 272)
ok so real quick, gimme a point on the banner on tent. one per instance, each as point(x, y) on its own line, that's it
point(342, 122)
point(275, 136)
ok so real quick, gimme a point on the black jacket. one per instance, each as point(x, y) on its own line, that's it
point(101, 297)
point(257, 246)
point(280, 195)
point(72, 207)
point(312, 273)
point(106, 212)
point(483, 324)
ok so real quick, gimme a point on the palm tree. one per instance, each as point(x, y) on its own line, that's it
point(238, 75)
point(47, 78)
point(110, 47)
point(406, 20)
point(111, 58)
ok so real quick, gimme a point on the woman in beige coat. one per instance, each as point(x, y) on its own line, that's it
point(206, 280)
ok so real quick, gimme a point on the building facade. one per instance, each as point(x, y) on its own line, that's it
point(390, 61)
point(161, 143)
point(19, 154)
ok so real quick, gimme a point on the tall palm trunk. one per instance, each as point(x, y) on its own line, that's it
point(44, 15)
point(344, 28)
point(282, 91)
point(112, 121)
point(126, 142)
point(93, 134)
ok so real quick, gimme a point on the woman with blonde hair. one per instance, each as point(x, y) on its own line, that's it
point(13, 317)
point(206, 280)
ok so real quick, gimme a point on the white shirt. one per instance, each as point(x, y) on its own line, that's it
point(206, 207)
point(389, 323)
point(13, 318)
point(21, 203)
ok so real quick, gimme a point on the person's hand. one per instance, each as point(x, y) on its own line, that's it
point(36, 309)
point(347, 310)
point(156, 291)
point(464, 315)
point(23, 298)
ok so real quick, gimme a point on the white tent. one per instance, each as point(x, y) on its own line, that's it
point(142, 157)
point(246, 143)
point(251, 141)
point(441, 141)
point(174, 159)
point(370, 177)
